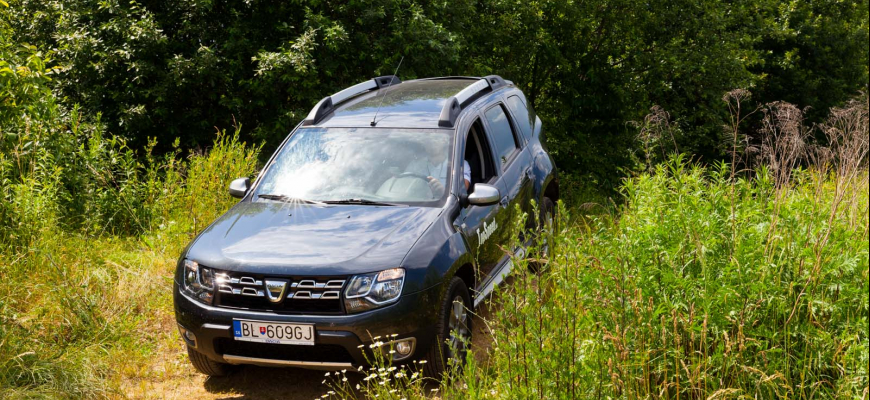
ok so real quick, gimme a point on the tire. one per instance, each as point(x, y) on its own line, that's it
point(450, 320)
point(206, 365)
point(546, 226)
point(548, 216)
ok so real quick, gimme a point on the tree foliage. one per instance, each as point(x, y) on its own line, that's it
point(164, 69)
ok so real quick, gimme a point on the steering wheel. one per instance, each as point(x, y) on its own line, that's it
point(414, 175)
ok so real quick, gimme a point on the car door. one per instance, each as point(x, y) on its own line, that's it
point(514, 162)
point(484, 227)
point(521, 117)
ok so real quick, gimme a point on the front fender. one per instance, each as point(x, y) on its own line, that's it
point(436, 258)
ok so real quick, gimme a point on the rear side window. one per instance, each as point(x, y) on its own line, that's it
point(521, 113)
point(502, 133)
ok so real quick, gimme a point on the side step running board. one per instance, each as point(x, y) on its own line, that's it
point(498, 278)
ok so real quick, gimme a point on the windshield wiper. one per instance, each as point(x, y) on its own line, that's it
point(364, 202)
point(288, 199)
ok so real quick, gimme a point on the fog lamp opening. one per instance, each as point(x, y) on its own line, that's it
point(188, 336)
point(403, 347)
point(400, 349)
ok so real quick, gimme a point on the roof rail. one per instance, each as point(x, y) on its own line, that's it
point(453, 106)
point(440, 78)
point(327, 105)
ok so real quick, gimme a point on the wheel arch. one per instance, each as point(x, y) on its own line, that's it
point(551, 189)
point(467, 273)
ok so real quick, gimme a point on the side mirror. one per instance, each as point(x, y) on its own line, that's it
point(239, 187)
point(484, 195)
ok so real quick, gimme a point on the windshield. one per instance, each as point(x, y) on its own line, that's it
point(387, 165)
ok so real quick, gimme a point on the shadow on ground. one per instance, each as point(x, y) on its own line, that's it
point(251, 382)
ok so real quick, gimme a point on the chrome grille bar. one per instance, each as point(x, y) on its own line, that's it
point(308, 289)
point(311, 289)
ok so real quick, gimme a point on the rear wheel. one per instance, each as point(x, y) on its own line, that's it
point(548, 224)
point(453, 331)
point(546, 229)
point(206, 365)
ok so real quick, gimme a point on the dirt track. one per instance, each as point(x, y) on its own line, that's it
point(172, 377)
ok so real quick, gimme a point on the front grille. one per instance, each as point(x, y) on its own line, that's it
point(287, 352)
point(302, 294)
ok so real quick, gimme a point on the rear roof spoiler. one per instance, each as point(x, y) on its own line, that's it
point(328, 104)
point(455, 103)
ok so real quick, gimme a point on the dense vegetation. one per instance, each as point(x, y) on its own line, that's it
point(746, 278)
point(176, 69)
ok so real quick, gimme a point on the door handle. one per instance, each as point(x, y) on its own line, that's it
point(526, 176)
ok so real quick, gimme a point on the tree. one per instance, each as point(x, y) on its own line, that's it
point(178, 68)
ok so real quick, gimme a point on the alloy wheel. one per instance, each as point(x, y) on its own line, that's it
point(460, 335)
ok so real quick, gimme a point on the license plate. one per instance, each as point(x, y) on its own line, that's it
point(273, 332)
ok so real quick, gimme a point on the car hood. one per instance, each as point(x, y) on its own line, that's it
point(277, 238)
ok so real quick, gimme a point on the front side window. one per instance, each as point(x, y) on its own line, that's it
point(389, 165)
point(502, 133)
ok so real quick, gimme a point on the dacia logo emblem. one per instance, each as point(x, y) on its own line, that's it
point(275, 289)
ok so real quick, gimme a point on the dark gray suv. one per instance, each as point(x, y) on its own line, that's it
point(378, 223)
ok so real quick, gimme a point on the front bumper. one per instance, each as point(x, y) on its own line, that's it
point(337, 340)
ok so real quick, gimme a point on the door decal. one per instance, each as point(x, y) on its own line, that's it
point(488, 230)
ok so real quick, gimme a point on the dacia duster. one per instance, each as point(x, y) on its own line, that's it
point(382, 218)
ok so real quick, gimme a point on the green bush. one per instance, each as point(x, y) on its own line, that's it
point(179, 68)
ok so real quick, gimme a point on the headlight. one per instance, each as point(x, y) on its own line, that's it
point(374, 290)
point(198, 281)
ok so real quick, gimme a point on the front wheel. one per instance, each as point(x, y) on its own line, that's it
point(206, 365)
point(453, 331)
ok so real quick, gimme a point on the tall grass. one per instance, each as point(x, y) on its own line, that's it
point(660, 302)
point(89, 239)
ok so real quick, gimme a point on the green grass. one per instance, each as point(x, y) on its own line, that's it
point(677, 296)
point(84, 308)
point(690, 285)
